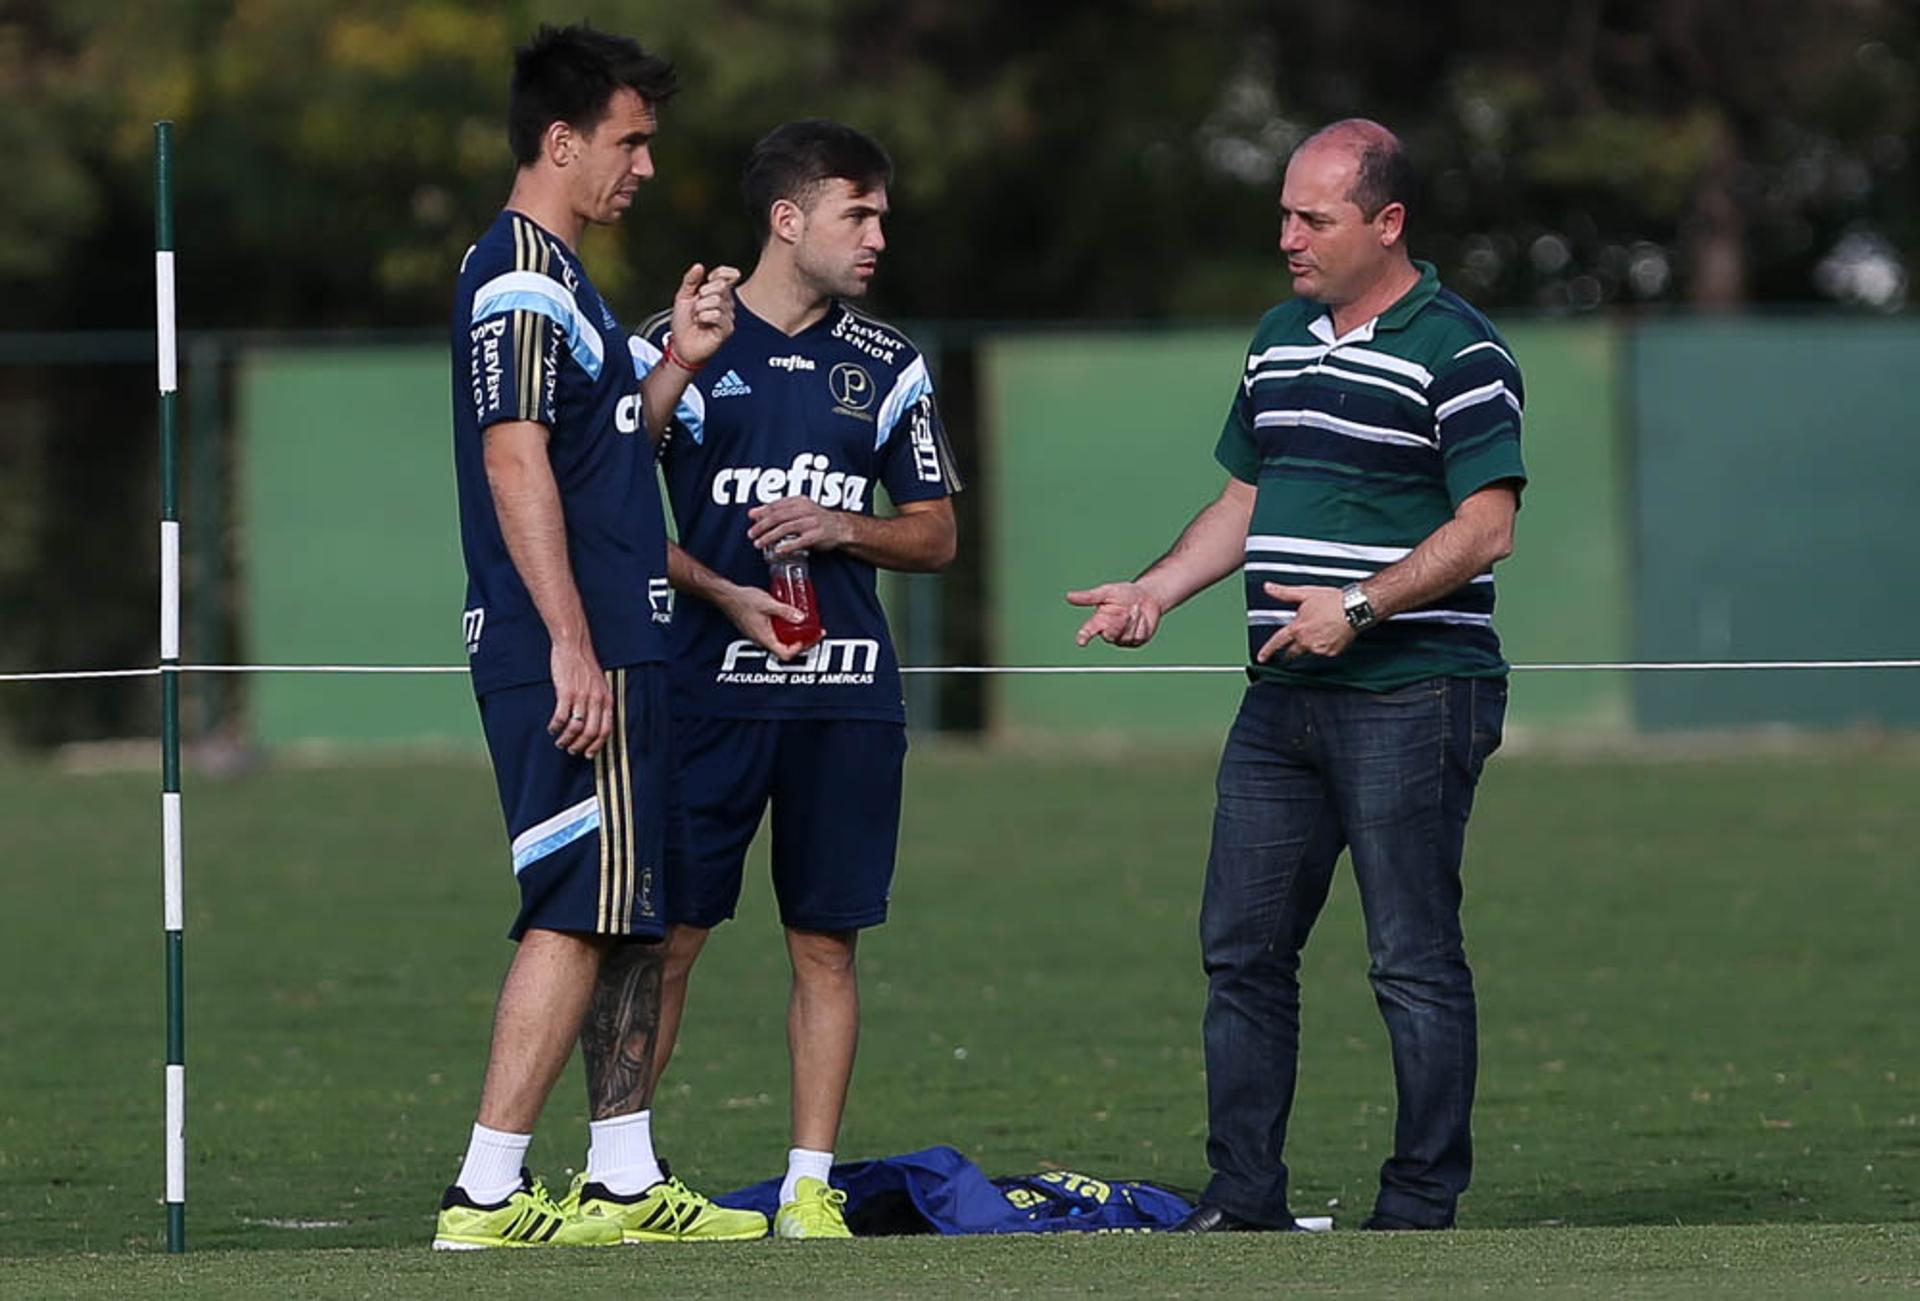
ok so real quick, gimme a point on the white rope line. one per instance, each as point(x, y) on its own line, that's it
point(1675, 665)
point(78, 675)
point(1593, 666)
point(1580, 667)
point(323, 668)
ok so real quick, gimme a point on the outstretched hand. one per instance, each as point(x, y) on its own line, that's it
point(1124, 614)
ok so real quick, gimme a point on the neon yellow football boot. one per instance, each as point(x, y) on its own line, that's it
point(816, 1211)
point(528, 1218)
point(669, 1211)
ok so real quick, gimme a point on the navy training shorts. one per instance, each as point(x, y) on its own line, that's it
point(588, 835)
point(835, 789)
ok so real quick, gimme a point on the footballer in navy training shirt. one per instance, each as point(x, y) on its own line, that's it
point(787, 438)
point(565, 547)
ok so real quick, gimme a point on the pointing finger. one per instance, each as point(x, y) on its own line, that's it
point(1279, 640)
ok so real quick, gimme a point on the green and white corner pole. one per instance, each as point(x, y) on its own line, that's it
point(171, 858)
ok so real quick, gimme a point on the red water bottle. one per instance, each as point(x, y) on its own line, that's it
point(787, 579)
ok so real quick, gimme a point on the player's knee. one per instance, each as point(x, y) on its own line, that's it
point(822, 955)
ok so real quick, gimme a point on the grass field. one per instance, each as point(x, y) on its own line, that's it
point(1701, 1067)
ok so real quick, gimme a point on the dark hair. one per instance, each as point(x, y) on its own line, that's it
point(570, 74)
point(1385, 175)
point(793, 161)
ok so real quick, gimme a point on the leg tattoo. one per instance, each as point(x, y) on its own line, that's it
point(621, 1029)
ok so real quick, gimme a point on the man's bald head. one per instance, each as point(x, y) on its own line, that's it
point(1343, 215)
point(1383, 174)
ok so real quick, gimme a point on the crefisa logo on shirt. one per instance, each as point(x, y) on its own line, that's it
point(808, 476)
point(627, 414)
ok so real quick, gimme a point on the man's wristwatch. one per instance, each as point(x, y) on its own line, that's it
point(1358, 609)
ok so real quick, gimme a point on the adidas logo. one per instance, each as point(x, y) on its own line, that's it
point(731, 385)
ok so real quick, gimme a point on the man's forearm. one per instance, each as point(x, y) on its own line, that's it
point(917, 543)
point(660, 395)
point(692, 577)
point(753, 610)
point(1453, 555)
point(527, 501)
point(1213, 545)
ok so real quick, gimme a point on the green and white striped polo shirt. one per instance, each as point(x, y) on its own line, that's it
point(1360, 447)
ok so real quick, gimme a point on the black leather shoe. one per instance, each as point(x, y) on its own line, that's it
point(1207, 1218)
point(1378, 1223)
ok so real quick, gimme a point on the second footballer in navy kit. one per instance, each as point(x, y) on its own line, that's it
point(786, 439)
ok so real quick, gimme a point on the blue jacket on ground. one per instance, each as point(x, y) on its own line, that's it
point(937, 1190)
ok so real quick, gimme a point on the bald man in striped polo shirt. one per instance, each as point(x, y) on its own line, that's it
point(1373, 472)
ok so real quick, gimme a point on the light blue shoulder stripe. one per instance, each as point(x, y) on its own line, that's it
point(529, 291)
point(692, 411)
point(914, 383)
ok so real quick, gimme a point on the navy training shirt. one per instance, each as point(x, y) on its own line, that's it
point(835, 412)
point(532, 340)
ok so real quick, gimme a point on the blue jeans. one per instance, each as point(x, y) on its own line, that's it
point(1306, 773)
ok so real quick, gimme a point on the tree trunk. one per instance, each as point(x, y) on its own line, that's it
point(1715, 234)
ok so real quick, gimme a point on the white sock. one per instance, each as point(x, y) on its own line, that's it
point(491, 1172)
point(620, 1154)
point(803, 1163)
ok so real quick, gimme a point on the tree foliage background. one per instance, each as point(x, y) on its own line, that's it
point(1069, 159)
point(1112, 160)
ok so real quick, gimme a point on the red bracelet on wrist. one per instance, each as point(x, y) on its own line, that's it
point(676, 359)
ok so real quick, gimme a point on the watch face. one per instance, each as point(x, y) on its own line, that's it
point(1359, 610)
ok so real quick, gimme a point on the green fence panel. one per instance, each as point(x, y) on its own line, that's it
point(1775, 473)
point(1563, 592)
point(350, 544)
point(1102, 448)
point(1099, 449)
